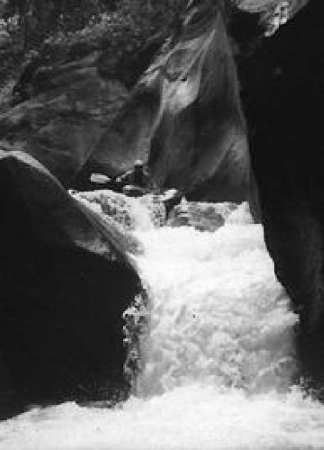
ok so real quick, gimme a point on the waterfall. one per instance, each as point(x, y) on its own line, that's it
point(217, 351)
point(218, 315)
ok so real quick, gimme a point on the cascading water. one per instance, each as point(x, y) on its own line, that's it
point(219, 318)
point(217, 354)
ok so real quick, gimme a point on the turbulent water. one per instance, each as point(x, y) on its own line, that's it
point(218, 356)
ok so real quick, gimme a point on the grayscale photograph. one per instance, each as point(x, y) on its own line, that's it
point(162, 225)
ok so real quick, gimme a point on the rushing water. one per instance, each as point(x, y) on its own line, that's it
point(218, 356)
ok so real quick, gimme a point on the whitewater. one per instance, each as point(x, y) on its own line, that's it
point(217, 355)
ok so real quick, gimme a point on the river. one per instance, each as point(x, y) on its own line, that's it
point(218, 356)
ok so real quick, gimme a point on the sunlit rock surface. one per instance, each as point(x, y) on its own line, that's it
point(263, 6)
point(66, 279)
point(184, 117)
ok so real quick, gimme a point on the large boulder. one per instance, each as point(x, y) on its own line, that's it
point(66, 280)
point(184, 117)
point(66, 107)
point(283, 91)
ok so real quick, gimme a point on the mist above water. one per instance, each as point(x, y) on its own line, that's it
point(218, 356)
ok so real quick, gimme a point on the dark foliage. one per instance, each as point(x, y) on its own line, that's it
point(128, 31)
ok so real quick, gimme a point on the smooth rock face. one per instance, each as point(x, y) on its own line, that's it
point(192, 131)
point(283, 91)
point(65, 283)
point(184, 117)
point(67, 108)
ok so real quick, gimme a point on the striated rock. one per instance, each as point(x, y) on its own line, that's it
point(68, 106)
point(66, 280)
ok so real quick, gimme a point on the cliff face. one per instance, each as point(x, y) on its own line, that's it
point(184, 117)
point(283, 93)
point(68, 108)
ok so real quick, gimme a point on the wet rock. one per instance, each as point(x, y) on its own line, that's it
point(143, 212)
point(200, 215)
point(65, 283)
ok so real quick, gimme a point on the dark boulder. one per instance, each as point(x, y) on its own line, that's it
point(283, 92)
point(65, 283)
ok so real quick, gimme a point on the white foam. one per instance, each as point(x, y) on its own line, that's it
point(219, 358)
point(218, 314)
point(191, 418)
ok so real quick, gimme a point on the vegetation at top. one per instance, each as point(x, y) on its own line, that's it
point(127, 31)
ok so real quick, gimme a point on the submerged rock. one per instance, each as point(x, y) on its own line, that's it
point(66, 280)
point(200, 215)
point(143, 212)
